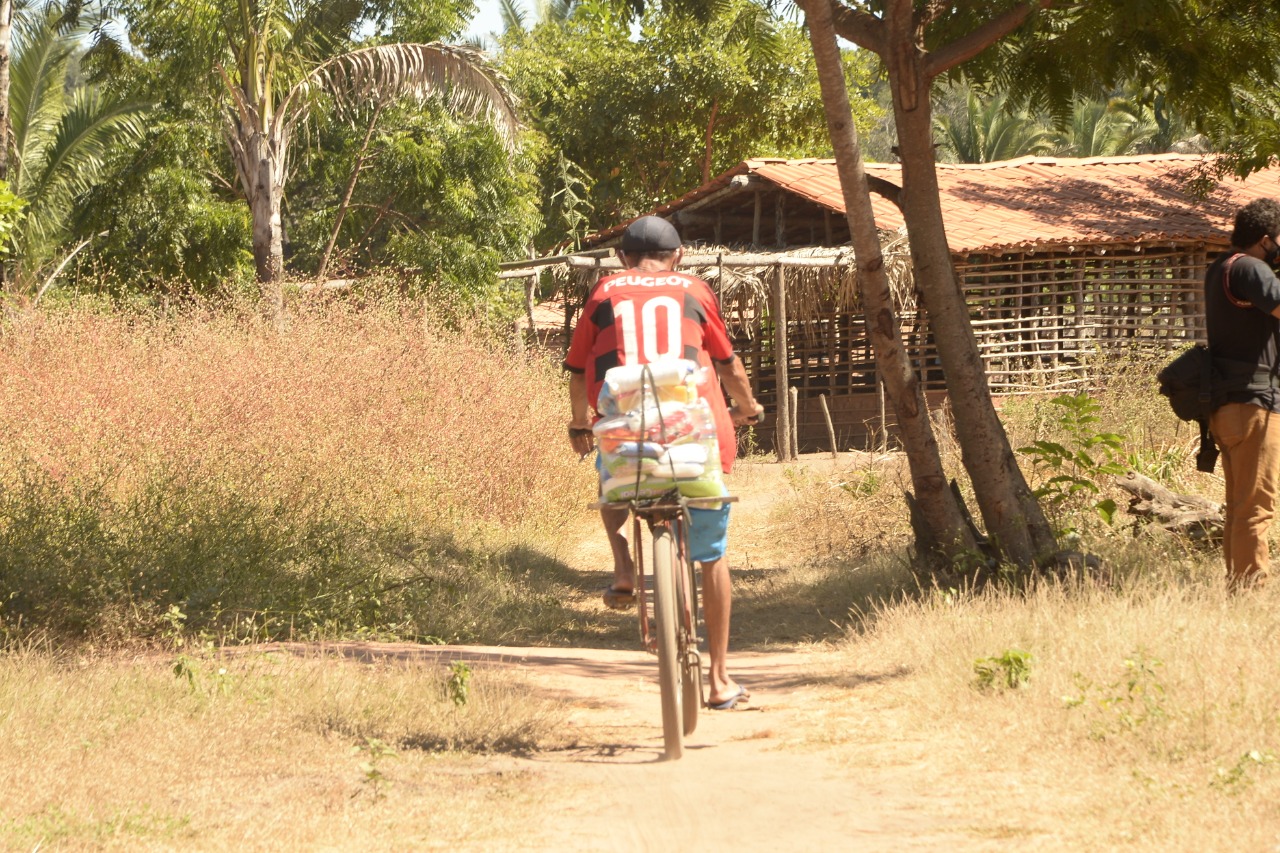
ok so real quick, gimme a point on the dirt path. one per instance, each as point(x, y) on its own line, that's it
point(748, 780)
point(756, 779)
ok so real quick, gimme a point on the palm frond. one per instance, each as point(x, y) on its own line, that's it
point(75, 157)
point(386, 73)
point(755, 28)
point(512, 15)
point(36, 88)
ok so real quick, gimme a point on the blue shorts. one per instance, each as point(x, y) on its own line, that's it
point(708, 528)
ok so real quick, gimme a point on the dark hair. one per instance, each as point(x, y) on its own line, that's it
point(1257, 219)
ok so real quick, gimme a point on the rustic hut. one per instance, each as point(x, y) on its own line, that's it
point(1065, 262)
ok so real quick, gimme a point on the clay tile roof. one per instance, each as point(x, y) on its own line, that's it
point(1034, 201)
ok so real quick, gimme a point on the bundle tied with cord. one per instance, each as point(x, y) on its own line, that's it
point(656, 434)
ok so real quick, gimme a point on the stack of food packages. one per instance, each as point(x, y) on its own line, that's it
point(656, 434)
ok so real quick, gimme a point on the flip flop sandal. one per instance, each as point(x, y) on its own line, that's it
point(730, 704)
point(619, 599)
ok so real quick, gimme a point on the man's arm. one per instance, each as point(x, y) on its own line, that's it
point(579, 416)
point(734, 378)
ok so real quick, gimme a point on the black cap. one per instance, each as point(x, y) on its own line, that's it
point(650, 234)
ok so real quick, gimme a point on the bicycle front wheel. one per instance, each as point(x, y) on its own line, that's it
point(690, 662)
point(669, 659)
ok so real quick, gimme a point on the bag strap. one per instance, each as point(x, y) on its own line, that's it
point(1274, 373)
point(1226, 283)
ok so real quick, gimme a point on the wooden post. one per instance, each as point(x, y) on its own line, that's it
point(831, 430)
point(780, 222)
point(530, 289)
point(782, 440)
point(794, 392)
point(755, 224)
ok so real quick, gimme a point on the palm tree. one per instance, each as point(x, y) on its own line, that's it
point(514, 16)
point(278, 60)
point(1104, 129)
point(63, 129)
point(988, 131)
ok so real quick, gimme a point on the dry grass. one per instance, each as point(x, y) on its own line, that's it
point(362, 470)
point(261, 752)
point(364, 473)
point(1148, 717)
point(1147, 720)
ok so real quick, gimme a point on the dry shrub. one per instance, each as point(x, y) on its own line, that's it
point(844, 508)
point(857, 508)
point(364, 468)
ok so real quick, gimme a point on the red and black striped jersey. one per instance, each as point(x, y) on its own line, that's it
point(636, 317)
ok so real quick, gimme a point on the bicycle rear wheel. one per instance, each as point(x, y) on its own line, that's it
point(670, 660)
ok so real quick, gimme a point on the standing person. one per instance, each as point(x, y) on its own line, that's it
point(1242, 301)
point(642, 314)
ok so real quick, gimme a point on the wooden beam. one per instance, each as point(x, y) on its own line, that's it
point(795, 422)
point(831, 430)
point(755, 259)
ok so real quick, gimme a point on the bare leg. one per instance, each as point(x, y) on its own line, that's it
point(716, 604)
point(624, 573)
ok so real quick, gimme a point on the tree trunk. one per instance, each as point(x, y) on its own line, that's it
point(943, 521)
point(6, 41)
point(345, 204)
point(1012, 515)
point(266, 195)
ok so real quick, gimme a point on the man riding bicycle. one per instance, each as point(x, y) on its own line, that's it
point(646, 313)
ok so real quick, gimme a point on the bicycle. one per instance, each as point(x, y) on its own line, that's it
point(675, 618)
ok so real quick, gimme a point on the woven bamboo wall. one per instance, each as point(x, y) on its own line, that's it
point(1044, 322)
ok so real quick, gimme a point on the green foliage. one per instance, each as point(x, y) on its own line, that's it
point(11, 214)
point(650, 117)
point(1010, 670)
point(1212, 62)
point(988, 129)
point(1076, 460)
point(1101, 128)
point(376, 751)
point(167, 228)
point(1134, 700)
point(438, 196)
point(64, 131)
point(459, 684)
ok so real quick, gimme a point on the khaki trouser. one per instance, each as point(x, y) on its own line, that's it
point(1249, 438)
